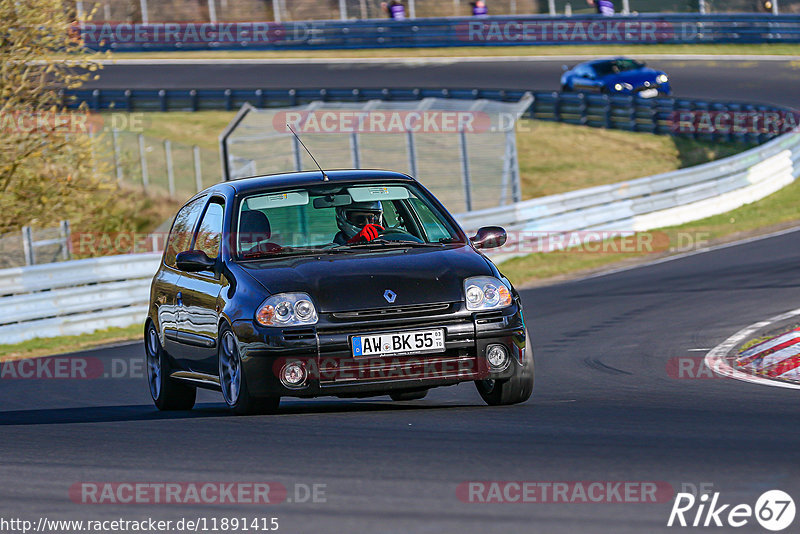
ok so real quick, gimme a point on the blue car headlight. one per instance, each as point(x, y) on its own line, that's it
point(287, 309)
point(621, 86)
point(662, 78)
point(486, 293)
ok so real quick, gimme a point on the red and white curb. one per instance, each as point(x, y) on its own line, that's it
point(774, 358)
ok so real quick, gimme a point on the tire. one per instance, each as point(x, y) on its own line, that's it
point(514, 390)
point(233, 381)
point(399, 396)
point(167, 393)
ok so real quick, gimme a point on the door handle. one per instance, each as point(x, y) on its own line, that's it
point(179, 298)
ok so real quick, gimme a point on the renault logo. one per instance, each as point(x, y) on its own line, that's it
point(389, 295)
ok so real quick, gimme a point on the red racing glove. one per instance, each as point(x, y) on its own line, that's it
point(367, 234)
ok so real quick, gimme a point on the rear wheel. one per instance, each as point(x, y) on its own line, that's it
point(167, 393)
point(514, 390)
point(233, 382)
point(408, 395)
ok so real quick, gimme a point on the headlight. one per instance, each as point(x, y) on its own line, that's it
point(618, 87)
point(486, 293)
point(287, 309)
point(662, 78)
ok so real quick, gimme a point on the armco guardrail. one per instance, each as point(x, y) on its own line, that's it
point(85, 295)
point(453, 31)
point(657, 115)
point(74, 297)
point(647, 203)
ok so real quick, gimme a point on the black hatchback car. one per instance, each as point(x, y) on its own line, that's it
point(262, 293)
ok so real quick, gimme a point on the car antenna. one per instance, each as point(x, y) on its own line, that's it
point(324, 176)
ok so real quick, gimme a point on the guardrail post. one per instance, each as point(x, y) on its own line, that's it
point(117, 157)
point(412, 153)
point(128, 100)
point(465, 171)
point(228, 100)
point(193, 99)
point(162, 100)
point(65, 235)
point(96, 99)
point(198, 172)
point(551, 7)
point(412, 9)
point(354, 152)
point(212, 12)
point(27, 245)
point(143, 163)
point(343, 9)
point(170, 170)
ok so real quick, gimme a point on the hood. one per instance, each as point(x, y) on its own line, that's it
point(634, 77)
point(358, 281)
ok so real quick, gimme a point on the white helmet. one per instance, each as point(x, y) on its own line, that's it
point(352, 218)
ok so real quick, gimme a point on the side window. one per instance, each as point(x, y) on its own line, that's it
point(393, 219)
point(209, 234)
point(180, 237)
point(433, 227)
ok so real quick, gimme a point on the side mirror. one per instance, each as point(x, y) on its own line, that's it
point(489, 237)
point(194, 261)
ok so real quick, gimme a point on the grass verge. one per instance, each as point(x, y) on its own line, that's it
point(49, 346)
point(479, 51)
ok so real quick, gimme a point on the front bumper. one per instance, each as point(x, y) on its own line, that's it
point(326, 353)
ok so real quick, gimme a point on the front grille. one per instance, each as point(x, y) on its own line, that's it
point(454, 365)
point(455, 325)
point(298, 334)
point(399, 312)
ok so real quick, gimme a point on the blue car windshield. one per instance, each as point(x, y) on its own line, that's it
point(326, 219)
point(616, 66)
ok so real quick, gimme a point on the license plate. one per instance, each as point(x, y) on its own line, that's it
point(398, 343)
point(648, 93)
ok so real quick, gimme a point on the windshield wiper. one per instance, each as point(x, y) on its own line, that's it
point(277, 253)
point(380, 243)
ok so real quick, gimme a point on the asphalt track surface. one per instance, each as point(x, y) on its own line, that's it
point(604, 409)
point(746, 80)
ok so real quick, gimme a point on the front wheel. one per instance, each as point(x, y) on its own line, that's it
point(514, 390)
point(167, 393)
point(233, 382)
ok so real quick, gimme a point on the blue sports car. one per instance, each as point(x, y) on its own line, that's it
point(620, 76)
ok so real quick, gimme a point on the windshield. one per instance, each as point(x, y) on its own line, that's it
point(331, 218)
point(615, 66)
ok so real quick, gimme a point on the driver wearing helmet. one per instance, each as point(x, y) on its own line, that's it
point(358, 222)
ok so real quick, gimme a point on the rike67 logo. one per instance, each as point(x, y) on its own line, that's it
point(774, 510)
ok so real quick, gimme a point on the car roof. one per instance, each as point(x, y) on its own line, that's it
point(306, 178)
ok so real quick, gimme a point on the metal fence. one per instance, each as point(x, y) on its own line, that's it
point(445, 32)
point(463, 151)
point(301, 10)
point(158, 165)
point(31, 246)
